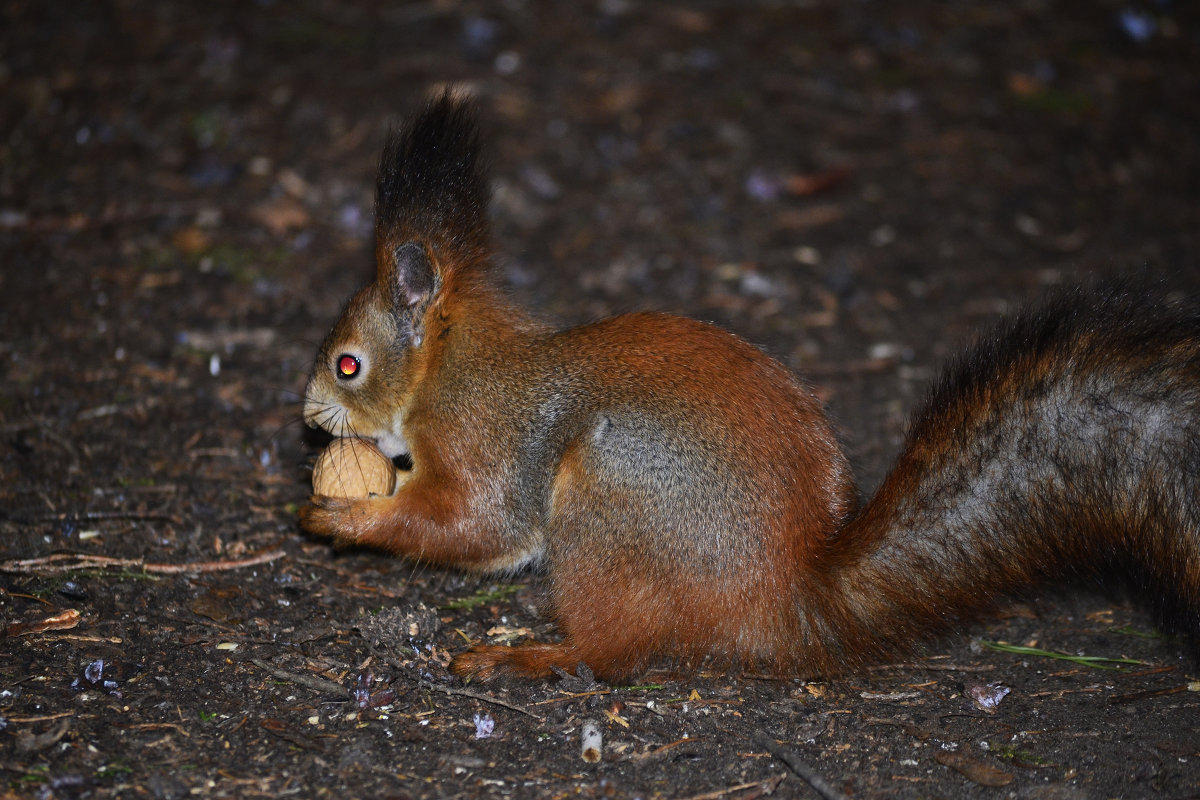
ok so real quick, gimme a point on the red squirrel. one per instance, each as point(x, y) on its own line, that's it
point(686, 495)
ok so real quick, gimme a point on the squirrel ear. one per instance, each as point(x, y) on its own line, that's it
point(407, 274)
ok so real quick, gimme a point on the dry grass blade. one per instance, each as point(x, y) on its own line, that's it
point(1096, 662)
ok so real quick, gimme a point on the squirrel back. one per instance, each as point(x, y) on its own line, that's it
point(685, 494)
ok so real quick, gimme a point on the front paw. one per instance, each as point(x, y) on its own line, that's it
point(345, 519)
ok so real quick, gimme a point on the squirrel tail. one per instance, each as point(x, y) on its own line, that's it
point(1066, 446)
point(433, 187)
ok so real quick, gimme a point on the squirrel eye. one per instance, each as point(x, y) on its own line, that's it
point(348, 366)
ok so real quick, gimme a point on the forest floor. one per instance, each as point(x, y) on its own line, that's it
point(185, 204)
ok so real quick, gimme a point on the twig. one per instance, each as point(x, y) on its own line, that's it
point(151, 726)
point(311, 681)
point(70, 562)
point(96, 516)
point(76, 637)
point(911, 729)
point(768, 786)
point(23, 424)
point(111, 409)
point(217, 566)
point(1135, 696)
point(810, 776)
point(24, 596)
point(658, 751)
point(41, 718)
point(483, 698)
point(925, 665)
point(110, 216)
point(572, 696)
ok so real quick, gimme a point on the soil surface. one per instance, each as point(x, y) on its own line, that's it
point(185, 203)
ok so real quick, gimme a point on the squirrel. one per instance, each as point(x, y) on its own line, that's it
point(686, 495)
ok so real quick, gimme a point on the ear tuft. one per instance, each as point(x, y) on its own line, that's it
point(433, 186)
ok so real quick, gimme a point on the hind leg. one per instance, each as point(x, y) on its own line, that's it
point(617, 623)
point(607, 653)
point(530, 660)
point(604, 630)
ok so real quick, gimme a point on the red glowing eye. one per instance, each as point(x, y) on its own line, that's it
point(347, 366)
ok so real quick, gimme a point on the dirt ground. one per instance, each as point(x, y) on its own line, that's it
point(185, 203)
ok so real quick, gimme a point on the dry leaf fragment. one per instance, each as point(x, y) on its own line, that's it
point(31, 743)
point(62, 621)
point(190, 240)
point(814, 216)
point(616, 718)
point(973, 769)
point(281, 215)
point(216, 604)
point(817, 182)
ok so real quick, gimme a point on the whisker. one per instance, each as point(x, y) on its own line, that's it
point(291, 396)
point(274, 437)
point(327, 417)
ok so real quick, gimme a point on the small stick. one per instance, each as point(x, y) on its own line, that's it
point(150, 726)
point(924, 665)
point(42, 718)
point(311, 681)
point(810, 776)
point(108, 217)
point(766, 786)
point(1135, 696)
point(97, 516)
point(483, 698)
point(68, 562)
point(23, 424)
point(217, 566)
point(572, 696)
point(658, 751)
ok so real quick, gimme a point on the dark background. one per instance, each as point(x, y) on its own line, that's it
point(185, 203)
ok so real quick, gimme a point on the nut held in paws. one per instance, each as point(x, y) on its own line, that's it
point(353, 468)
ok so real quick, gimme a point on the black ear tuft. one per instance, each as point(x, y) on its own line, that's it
point(412, 280)
point(433, 186)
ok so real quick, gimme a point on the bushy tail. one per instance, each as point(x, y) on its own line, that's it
point(433, 186)
point(1064, 446)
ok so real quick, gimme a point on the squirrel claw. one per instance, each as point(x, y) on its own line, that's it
point(342, 518)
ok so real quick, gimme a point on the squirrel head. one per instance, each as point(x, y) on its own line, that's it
point(370, 362)
point(432, 240)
